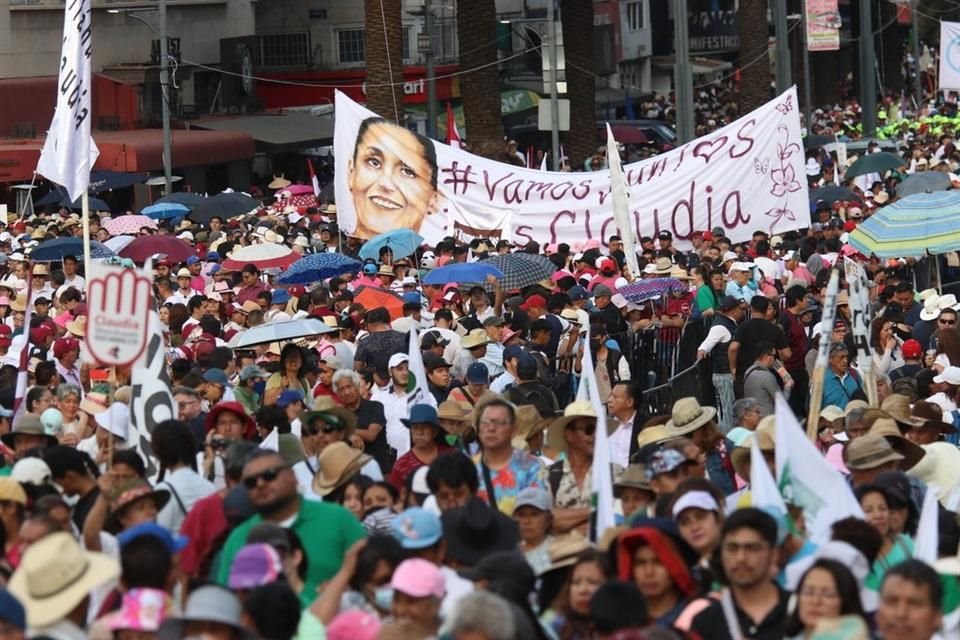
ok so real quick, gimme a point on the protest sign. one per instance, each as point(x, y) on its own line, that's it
point(745, 176)
point(119, 303)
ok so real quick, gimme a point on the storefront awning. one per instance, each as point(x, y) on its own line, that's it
point(276, 132)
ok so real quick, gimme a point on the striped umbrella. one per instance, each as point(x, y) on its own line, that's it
point(650, 289)
point(911, 227)
point(319, 266)
point(262, 256)
point(521, 269)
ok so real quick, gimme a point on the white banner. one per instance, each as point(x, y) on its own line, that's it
point(746, 176)
point(69, 152)
point(152, 399)
point(949, 55)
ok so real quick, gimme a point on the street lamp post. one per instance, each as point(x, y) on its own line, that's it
point(425, 46)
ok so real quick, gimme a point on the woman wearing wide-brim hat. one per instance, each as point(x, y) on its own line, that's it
point(133, 502)
point(455, 419)
point(339, 462)
point(691, 420)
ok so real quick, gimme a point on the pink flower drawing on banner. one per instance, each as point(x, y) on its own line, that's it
point(784, 178)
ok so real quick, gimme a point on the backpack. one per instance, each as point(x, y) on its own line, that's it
point(533, 396)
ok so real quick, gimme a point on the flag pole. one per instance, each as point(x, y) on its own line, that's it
point(85, 221)
point(823, 354)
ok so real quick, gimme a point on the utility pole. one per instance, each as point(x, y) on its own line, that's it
point(918, 92)
point(431, 80)
point(868, 92)
point(782, 51)
point(807, 82)
point(554, 102)
point(682, 74)
point(165, 97)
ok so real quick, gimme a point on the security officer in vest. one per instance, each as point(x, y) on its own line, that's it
point(716, 345)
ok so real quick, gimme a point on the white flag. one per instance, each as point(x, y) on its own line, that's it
point(807, 480)
point(949, 41)
point(420, 394)
point(69, 152)
point(928, 530)
point(764, 493)
point(152, 399)
point(272, 441)
point(602, 478)
point(621, 204)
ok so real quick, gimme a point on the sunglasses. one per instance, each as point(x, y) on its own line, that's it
point(948, 322)
point(587, 430)
point(267, 475)
point(327, 429)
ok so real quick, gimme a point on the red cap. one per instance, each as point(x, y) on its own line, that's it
point(5, 330)
point(38, 335)
point(911, 349)
point(608, 265)
point(63, 346)
point(297, 290)
point(849, 226)
point(534, 301)
point(708, 236)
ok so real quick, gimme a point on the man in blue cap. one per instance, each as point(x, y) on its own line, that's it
point(217, 387)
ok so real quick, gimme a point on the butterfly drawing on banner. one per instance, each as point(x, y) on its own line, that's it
point(761, 167)
point(786, 106)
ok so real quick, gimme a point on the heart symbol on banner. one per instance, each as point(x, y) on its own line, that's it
point(710, 147)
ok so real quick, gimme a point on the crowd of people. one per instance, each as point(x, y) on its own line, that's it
point(316, 488)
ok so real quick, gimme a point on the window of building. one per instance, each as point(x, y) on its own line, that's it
point(285, 50)
point(406, 45)
point(351, 46)
point(635, 17)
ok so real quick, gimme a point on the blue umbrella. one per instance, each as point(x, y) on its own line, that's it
point(165, 210)
point(319, 266)
point(58, 248)
point(462, 272)
point(106, 180)
point(402, 242)
point(54, 196)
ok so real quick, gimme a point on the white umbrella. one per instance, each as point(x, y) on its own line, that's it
point(279, 331)
point(117, 243)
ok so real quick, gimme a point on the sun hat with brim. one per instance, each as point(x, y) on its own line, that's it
point(898, 406)
point(141, 610)
point(94, 402)
point(869, 452)
point(580, 409)
point(255, 565)
point(853, 405)
point(476, 530)
point(476, 338)
point(633, 477)
point(453, 411)
point(911, 451)
point(12, 491)
point(208, 604)
point(115, 420)
point(55, 575)
point(652, 435)
point(688, 416)
point(126, 494)
point(564, 550)
point(28, 424)
point(831, 413)
point(931, 308)
point(932, 417)
point(766, 441)
point(422, 414)
point(950, 375)
point(338, 462)
point(78, 326)
point(333, 416)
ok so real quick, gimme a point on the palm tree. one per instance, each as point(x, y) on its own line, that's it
point(480, 87)
point(384, 57)
point(754, 63)
point(577, 23)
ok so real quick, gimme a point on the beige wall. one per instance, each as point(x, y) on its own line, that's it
point(30, 37)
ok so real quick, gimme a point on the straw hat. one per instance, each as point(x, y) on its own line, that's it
point(77, 326)
point(279, 182)
point(663, 266)
point(338, 463)
point(127, 493)
point(564, 550)
point(898, 406)
point(476, 338)
point(766, 441)
point(869, 452)
point(574, 411)
point(386, 270)
point(457, 412)
point(688, 416)
point(634, 477)
point(19, 304)
point(939, 467)
point(912, 452)
point(28, 424)
point(652, 435)
point(55, 574)
point(529, 424)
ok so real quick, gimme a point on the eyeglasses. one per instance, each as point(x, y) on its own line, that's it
point(267, 475)
point(819, 594)
point(493, 423)
point(949, 323)
point(585, 429)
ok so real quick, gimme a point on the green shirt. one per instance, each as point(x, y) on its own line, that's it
point(248, 398)
point(326, 531)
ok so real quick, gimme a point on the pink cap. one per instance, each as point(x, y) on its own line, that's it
point(593, 243)
point(418, 578)
point(354, 624)
point(559, 275)
point(4, 301)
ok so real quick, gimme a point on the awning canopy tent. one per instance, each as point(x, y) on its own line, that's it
point(276, 132)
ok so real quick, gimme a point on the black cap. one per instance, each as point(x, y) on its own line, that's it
point(432, 339)
point(729, 303)
point(665, 235)
point(432, 361)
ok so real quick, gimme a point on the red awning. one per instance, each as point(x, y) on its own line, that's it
point(138, 150)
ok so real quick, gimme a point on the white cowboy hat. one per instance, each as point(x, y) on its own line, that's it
point(931, 308)
point(940, 467)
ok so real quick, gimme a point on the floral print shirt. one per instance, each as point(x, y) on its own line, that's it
point(521, 472)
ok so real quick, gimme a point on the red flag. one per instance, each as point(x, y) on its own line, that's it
point(453, 136)
point(313, 179)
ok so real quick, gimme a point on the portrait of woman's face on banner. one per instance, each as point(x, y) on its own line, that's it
point(392, 178)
